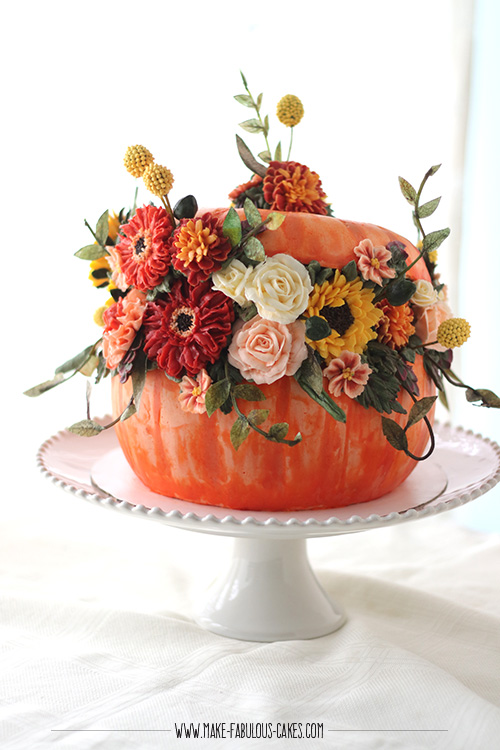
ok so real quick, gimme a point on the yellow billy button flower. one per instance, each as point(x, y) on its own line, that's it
point(158, 180)
point(290, 110)
point(136, 159)
point(98, 315)
point(453, 332)
point(433, 256)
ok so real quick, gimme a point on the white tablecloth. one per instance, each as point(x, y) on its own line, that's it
point(99, 648)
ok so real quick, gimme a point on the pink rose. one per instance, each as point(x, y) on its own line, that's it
point(265, 350)
point(428, 319)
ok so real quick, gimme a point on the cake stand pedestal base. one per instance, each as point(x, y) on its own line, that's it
point(269, 593)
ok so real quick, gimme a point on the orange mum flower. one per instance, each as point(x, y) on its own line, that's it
point(396, 325)
point(199, 248)
point(290, 186)
point(256, 180)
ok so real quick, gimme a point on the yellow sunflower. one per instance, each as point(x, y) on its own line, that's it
point(100, 271)
point(348, 308)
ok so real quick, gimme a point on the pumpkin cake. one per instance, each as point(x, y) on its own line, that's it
point(267, 355)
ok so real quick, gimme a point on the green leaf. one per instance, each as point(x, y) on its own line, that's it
point(310, 373)
point(102, 230)
point(487, 398)
point(317, 328)
point(244, 99)
point(420, 409)
point(47, 385)
point(90, 365)
point(252, 126)
point(254, 249)
point(395, 434)
point(433, 170)
point(245, 84)
point(277, 153)
point(259, 101)
point(231, 227)
point(248, 392)
point(239, 432)
point(76, 362)
point(408, 190)
point(139, 372)
point(257, 416)
point(86, 428)
point(266, 124)
point(129, 412)
point(324, 275)
point(428, 208)
point(249, 159)
point(265, 156)
point(350, 270)
point(247, 312)
point(91, 252)
point(400, 292)
point(324, 400)
point(313, 269)
point(252, 213)
point(443, 398)
point(279, 430)
point(216, 395)
point(433, 240)
point(274, 221)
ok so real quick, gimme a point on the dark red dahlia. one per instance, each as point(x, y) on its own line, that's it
point(144, 255)
point(199, 248)
point(188, 329)
point(290, 186)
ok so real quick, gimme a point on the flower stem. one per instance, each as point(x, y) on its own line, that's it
point(429, 427)
point(290, 146)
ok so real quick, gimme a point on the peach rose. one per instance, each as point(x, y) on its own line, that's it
point(265, 350)
point(428, 319)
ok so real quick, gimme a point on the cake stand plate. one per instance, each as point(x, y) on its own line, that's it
point(269, 592)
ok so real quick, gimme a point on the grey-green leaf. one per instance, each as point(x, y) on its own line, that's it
point(252, 213)
point(401, 291)
point(428, 208)
point(277, 153)
point(239, 432)
point(254, 249)
point(279, 430)
point(408, 190)
point(274, 221)
point(91, 252)
point(252, 126)
point(310, 373)
point(257, 416)
point(394, 434)
point(216, 395)
point(129, 412)
point(47, 385)
point(86, 428)
point(420, 409)
point(76, 362)
point(434, 239)
point(248, 392)
point(244, 99)
point(139, 372)
point(265, 156)
point(487, 397)
point(231, 227)
point(102, 229)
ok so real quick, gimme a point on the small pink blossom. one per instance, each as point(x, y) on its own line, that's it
point(121, 322)
point(193, 392)
point(347, 374)
point(265, 350)
point(372, 262)
point(427, 321)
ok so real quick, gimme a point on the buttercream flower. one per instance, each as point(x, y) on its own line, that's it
point(232, 280)
point(100, 272)
point(373, 262)
point(290, 110)
point(122, 320)
point(265, 351)
point(425, 294)
point(348, 308)
point(427, 321)
point(117, 275)
point(137, 158)
point(193, 392)
point(254, 182)
point(199, 248)
point(347, 374)
point(142, 253)
point(396, 325)
point(99, 313)
point(453, 332)
point(290, 186)
point(188, 329)
point(158, 180)
point(280, 287)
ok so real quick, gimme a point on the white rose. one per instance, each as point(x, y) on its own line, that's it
point(425, 294)
point(280, 287)
point(232, 280)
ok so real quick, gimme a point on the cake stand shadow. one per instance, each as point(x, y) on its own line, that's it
point(269, 591)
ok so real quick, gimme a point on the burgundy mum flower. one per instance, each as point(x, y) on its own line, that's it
point(290, 186)
point(199, 248)
point(188, 329)
point(143, 252)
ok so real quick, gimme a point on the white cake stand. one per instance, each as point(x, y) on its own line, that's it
point(269, 592)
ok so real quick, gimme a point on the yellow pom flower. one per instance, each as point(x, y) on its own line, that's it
point(99, 313)
point(433, 256)
point(158, 180)
point(290, 110)
point(136, 159)
point(453, 332)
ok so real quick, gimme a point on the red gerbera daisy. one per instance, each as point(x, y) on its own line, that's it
point(199, 248)
point(188, 329)
point(290, 186)
point(143, 251)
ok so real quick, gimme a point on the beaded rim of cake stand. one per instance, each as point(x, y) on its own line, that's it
point(422, 511)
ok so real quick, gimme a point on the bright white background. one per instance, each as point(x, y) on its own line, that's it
point(385, 87)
